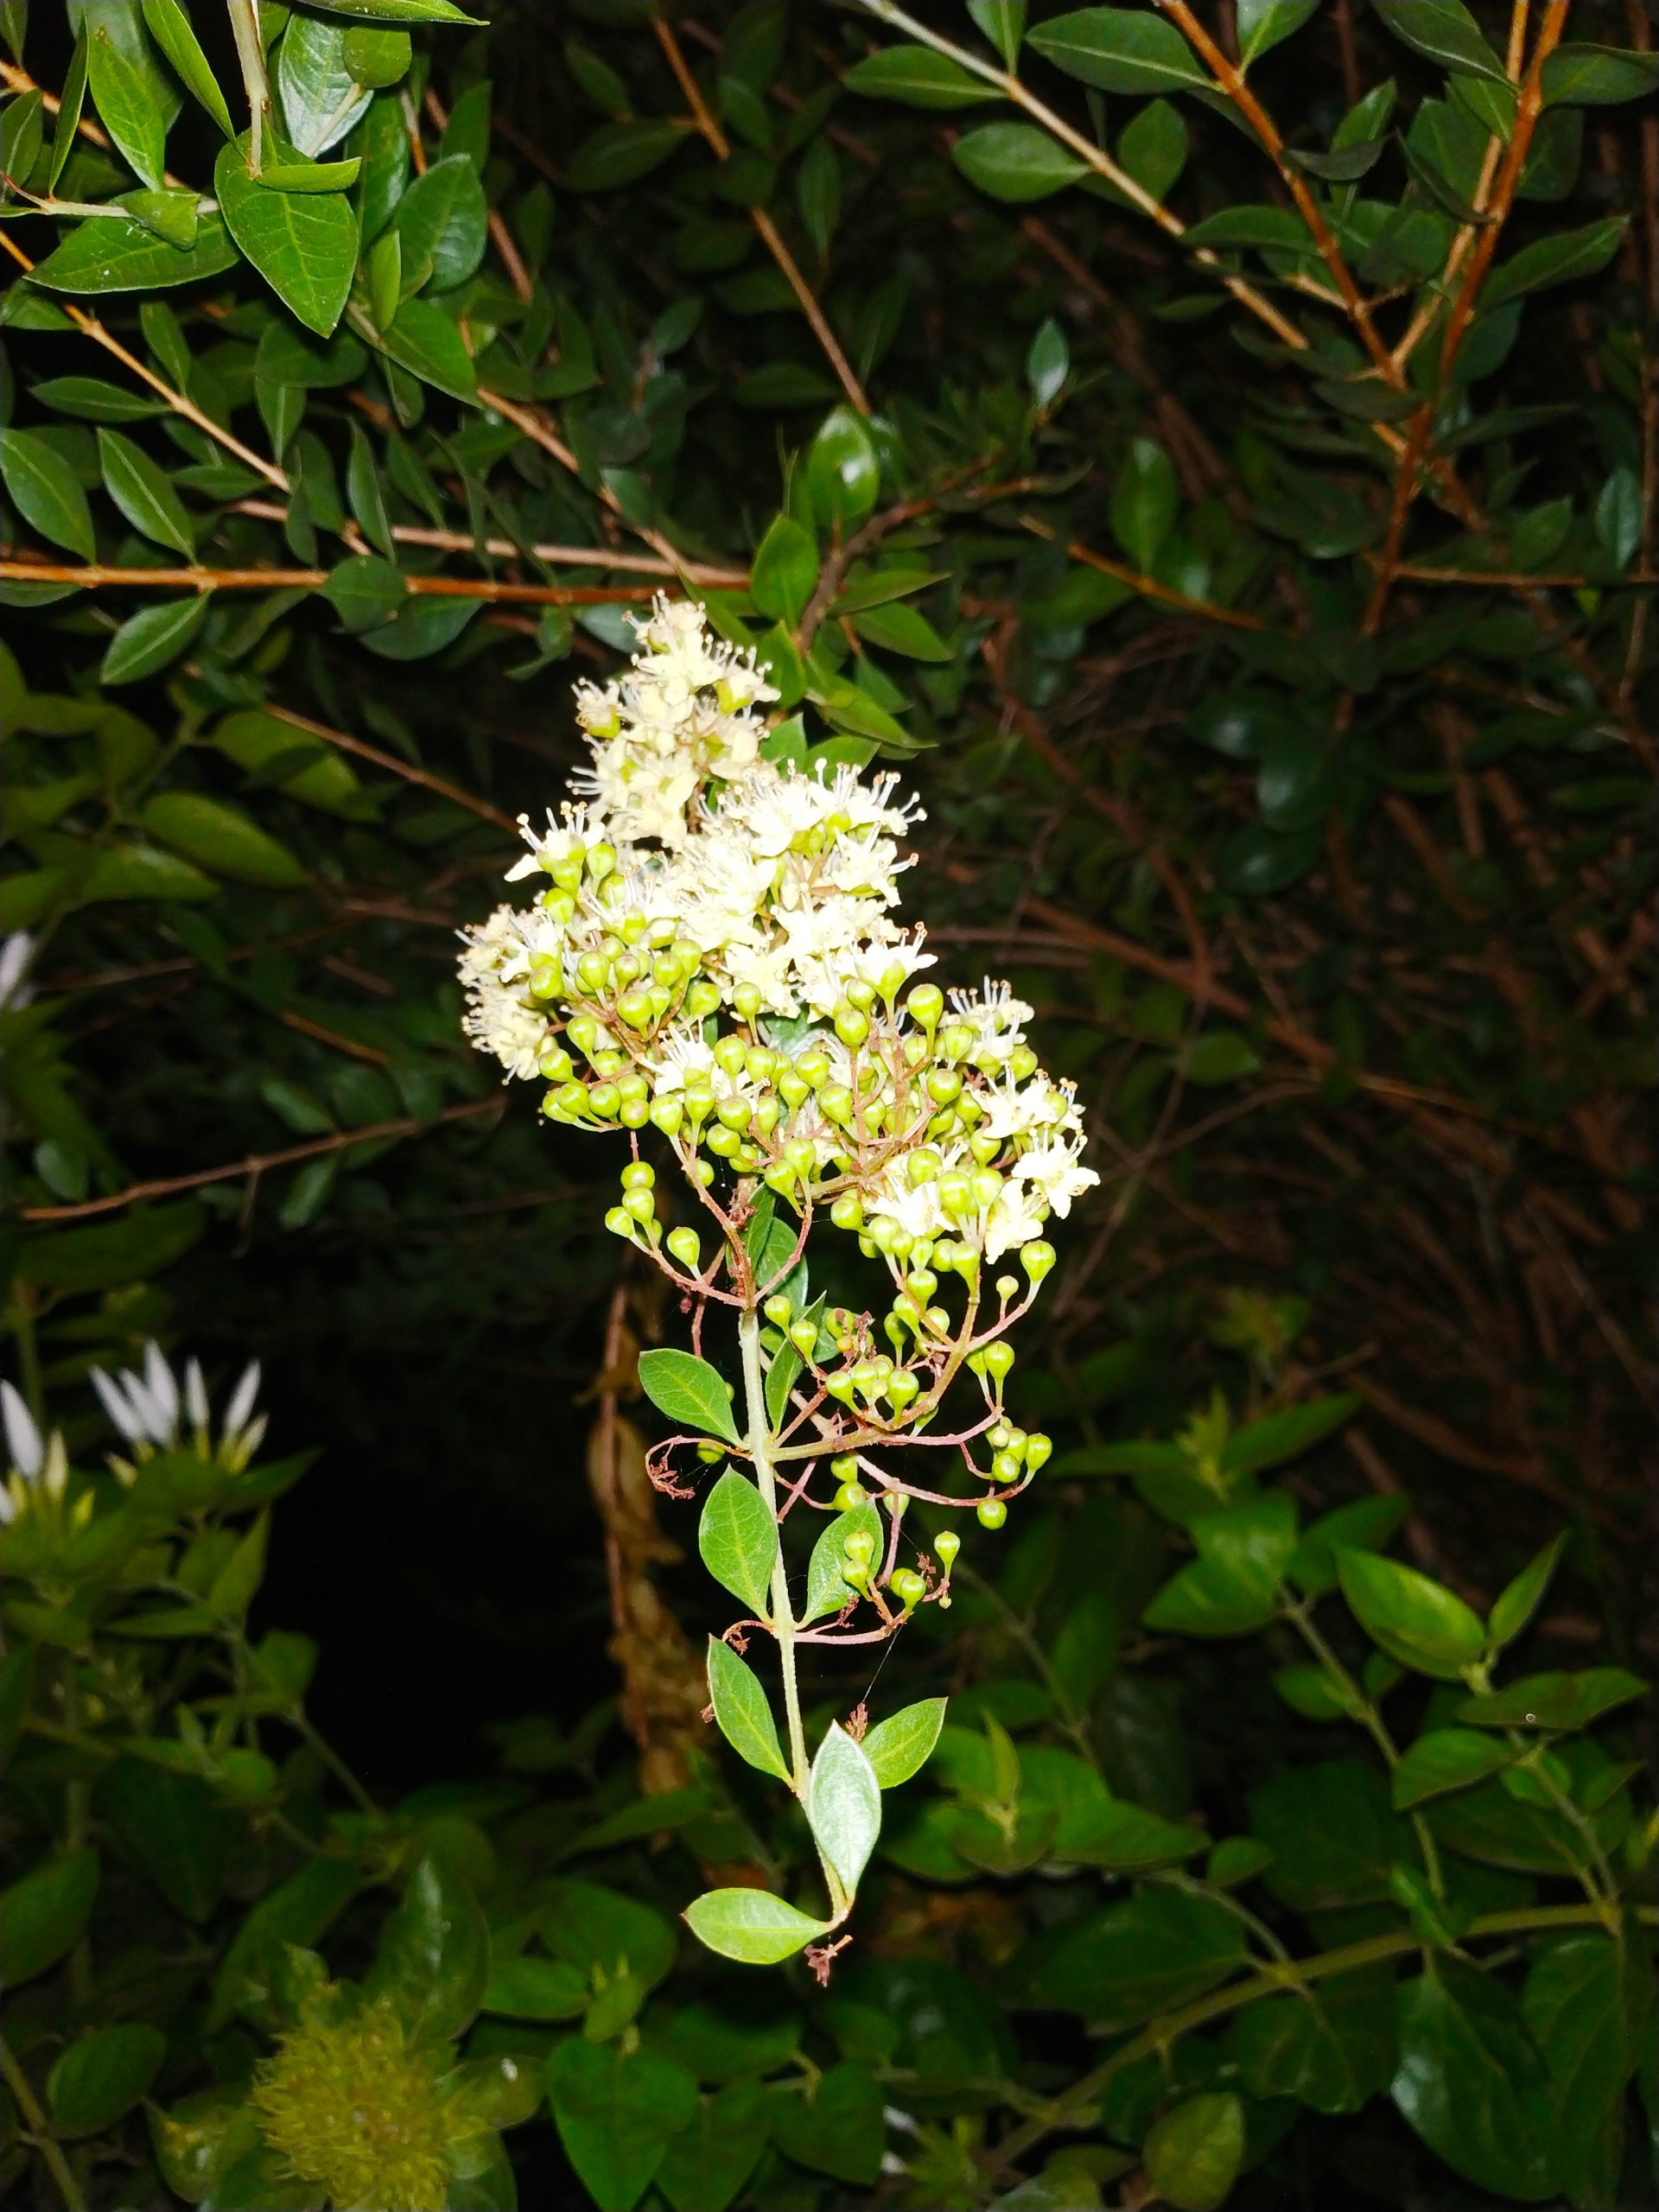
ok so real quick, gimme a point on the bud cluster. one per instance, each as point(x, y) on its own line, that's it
point(714, 957)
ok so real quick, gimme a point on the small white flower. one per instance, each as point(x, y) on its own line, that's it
point(24, 1446)
point(15, 951)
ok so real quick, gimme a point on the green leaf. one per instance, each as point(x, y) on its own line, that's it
point(1125, 1839)
point(1015, 162)
point(827, 1588)
point(1048, 363)
point(43, 1914)
point(602, 1931)
point(1264, 23)
point(442, 226)
point(71, 100)
point(422, 338)
point(1003, 21)
point(1120, 1967)
point(899, 629)
point(1279, 1437)
point(1553, 261)
point(376, 59)
point(752, 1926)
point(709, 2162)
point(840, 2129)
point(399, 11)
point(257, 740)
point(1366, 1525)
point(221, 838)
point(1144, 502)
point(1416, 1621)
point(320, 98)
point(125, 94)
point(304, 245)
point(101, 2076)
point(152, 639)
point(43, 489)
point(169, 27)
point(918, 77)
point(1333, 1834)
point(616, 2112)
point(434, 1960)
point(109, 254)
point(1193, 2153)
point(901, 1745)
point(1553, 1700)
point(1519, 1600)
point(366, 591)
point(1586, 2002)
point(1332, 2049)
point(141, 489)
point(1230, 1588)
point(688, 1390)
point(1469, 2083)
point(844, 1806)
point(621, 153)
point(742, 1713)
point(1120, 50)
point(1446, 32)
point(1598, 76)
point(1619, 514)
point(1445, 1758)
point(297, 1911)
point(843, 474)
point(170, 1825)
point(785, 569)
point(95, 401)
point(1278, 230)
point(526, 1988)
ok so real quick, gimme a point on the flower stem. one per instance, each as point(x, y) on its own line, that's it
point(783, 1616)
point(39, 2129)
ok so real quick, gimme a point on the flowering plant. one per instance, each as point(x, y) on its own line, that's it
point(715, 958)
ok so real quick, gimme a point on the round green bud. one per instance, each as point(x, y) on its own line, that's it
point(793, 1088)
point(860, 994)
point(844, 1467)
point(848, 1211)
point(608, 1063)
point(601, 858)
point(619, 1223)
point(836, 1102)
point(638, 1175)
point(987, 1188)
point(710, 1454)
point(731, 1055)
point(858, 1549)
point(721, 1141)
point(925, 1004)
point(703, 1172)
point(851, 1026)
point(849, 1495)
point(991, 1512)
point(605, 1100)
point(902, 1388)
point(947, 1544)
point(584, 1034)
point(640, 1206)
point(686, 1246)
point(1036, 1260)
point(1005, 1468)
point(998, 1359)
point(746, 1000)
point(1007, 1288)
point(732, 1113)
point(777, 1310)
point(907, 1586)
point(571, 1099)
point(984, 1147)
point(556, 1064)
point(701, 999)
point(1040, 1449)
point(803, 1335)
point(635, 1008)
point(593, 971)
point(634, 1114)
point(667, 1114)
point(944, 1085)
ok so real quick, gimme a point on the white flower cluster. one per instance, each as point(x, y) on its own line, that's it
point(715, 954)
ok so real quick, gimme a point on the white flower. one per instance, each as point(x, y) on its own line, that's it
point(578, 828)
point(498, 1022)
point(145, 1406)
point(1052, 1170)
point(24, 1446)
point(15, 951)
point(915, 1209)
point(1015, 1218)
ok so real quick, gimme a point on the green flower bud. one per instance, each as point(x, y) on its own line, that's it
point(851, 1026)
point(667, 1114)
point(608, 1063)
point(686, 1246)
point(703, 1172)
point(1040, 1449)
point(860, 994)
point(746, 1000)
point(848, 1211)
point(849, 1495)
point(1007, 1288)
point(605, 1100)
point(1005, 1468)
point(556, 1064)
point(858, 1549)
point(584, 1034)
point(836, 1104)
point(701, 999)
point(571, 1099)
point(793, 1088)
point(998, 1359)
point(710, 1454)
point(777, 1310)
point(593, 971)
point(1036, 1260)
point(619, 1223)
point(638, 1175)
point(947, 1544)
point(601, 858)
point(721, 1141)
point(991, 1512)
point(640, 1206)
point(902, 1388)
point(907, 1586)
point(634, 1114)
point(803, 1335)
point(925, 1004)
point(944, 1085)
point(987, 1188)
point(984, 1147)
point(731, 1055)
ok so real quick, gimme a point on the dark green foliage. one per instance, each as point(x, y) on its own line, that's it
point(1249, 553)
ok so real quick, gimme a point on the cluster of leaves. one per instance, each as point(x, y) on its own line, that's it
point(1247, 537)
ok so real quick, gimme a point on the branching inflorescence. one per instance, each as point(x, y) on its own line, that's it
point(715, 957)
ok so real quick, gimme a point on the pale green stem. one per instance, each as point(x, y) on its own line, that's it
point(783, 1616)
point(251, 53)
point(41, 2129)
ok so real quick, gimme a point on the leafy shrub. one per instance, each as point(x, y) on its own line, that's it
point(1241, 531)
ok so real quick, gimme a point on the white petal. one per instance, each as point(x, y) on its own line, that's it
point(8, 1511)
point(22, 1437)
point(255, 1436)
point(242, 1400)
point(113, 1400)
point(159, 1385)
point(195, 1395)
